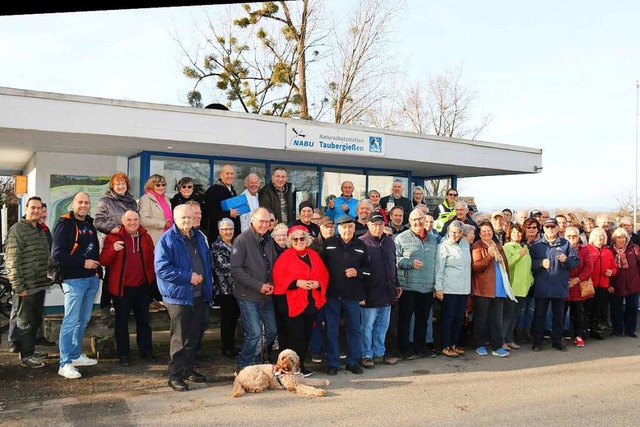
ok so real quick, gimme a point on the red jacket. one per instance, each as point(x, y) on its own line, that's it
point(116, 261)
point(627, 280)
point(602, 261)
point(583, 271)
point(288, 268)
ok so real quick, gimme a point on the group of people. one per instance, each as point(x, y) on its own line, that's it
point(296, 280)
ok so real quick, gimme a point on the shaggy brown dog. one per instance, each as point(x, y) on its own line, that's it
point(285, 374)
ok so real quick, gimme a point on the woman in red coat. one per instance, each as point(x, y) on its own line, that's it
point(575, 301)
point(604, 267)
point(625, 285)
point(301, 276)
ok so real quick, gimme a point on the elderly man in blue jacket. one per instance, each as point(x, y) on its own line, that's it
point(553, 257)
point(183, 272)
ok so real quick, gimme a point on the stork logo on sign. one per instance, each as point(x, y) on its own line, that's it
point(300, 139)
point(375, 144)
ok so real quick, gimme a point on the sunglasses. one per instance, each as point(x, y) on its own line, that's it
point(453, 194)
point(298, 239)
point(532, 228)
point(164, 184)
point(187, 186)
point(549, 226)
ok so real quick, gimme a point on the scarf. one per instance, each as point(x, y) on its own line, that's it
point(166, 209)
point(621, 258)
point(503, 272)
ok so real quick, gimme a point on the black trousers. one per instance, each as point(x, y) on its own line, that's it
point(577, 323)
point(624, 313)
point(282, 319)
point(28, 320)
point(185, 333)
point(487, 316)
point(597, 308)
point(418, 304)
point(229, 315)
point(300, 328)
point(136, 299)
point(540, 316)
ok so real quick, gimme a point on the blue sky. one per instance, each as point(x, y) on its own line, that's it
point(554, 75)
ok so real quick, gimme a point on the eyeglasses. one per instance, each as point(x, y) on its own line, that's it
point(549, 226)
point(298, 239)
point(187, 186)
point(272, 220)
point(532, 227)
point(453, 194)
point(227, 229)
point(280, 236)
point(162, 184)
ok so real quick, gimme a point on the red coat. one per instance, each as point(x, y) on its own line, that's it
point(602, 261)
point(583, 271)
point(290, 267)
point(627, 280)
point(116, 261)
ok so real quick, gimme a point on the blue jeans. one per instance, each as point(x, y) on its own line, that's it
point(375, 322)
point(252, 314)
point(525, 319)
point(333, 308)
point(452, 318)
point(78, 305)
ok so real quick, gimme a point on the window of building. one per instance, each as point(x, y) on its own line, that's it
point(134, 176)
point(332, 179)
point(242, 170)
point(383, 184)
point(174, 168)
point(305, 180)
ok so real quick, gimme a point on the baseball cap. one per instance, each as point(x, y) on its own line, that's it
point(535, 212)
point(497, 213)
point(550, 221)
point(376, 217)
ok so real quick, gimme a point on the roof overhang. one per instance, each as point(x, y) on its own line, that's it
point(42, 121)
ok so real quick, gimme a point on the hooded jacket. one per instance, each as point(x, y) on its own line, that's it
point(65, 252)
point(140, 246)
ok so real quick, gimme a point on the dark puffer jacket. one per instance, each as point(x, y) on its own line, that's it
point(110, 209)
point(26, 257)
point(339, 256)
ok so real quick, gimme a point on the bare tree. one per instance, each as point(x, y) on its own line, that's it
point(358, 71)
point(442, 107)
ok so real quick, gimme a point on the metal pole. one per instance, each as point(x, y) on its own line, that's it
point(635, 198)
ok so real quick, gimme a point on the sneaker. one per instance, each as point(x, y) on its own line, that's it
point(33, 362)
point(40, 355)
point(547, 334)
point(449, 352)
point(458, 350)
point(388, 360)
point(536, 347)
point(316, 358)
point(69, 371)
point(512, 346)
point(332, 371)
point(427, 353)
point(501, 352)
point(408, 356)
point(343, 356)
point(83, 361)
point(579, 342)
point(482, 351)
point(368, 363)
point(306, 373)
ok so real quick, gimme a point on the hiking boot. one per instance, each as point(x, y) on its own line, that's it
point(33, 362)
point(368, 363)
point(388, 360)
point(449, 352)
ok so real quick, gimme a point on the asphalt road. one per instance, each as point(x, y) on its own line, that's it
point(595, 385)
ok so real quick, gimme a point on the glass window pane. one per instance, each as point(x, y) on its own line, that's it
point(383, 184)
point(134, 176)
point(332, 179)
point(305, 181)
point(242, 170)
point(174, 168)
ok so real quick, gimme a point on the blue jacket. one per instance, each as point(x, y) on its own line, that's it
point(552, 282)
point(173, 267)
point(336, 212)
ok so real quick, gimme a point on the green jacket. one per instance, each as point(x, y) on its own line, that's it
point(519, 269)
point(410, 247)
point(27, 257)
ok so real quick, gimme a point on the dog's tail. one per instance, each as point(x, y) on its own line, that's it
point(237, 388)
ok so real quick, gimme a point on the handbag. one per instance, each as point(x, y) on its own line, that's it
point(586, 288)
